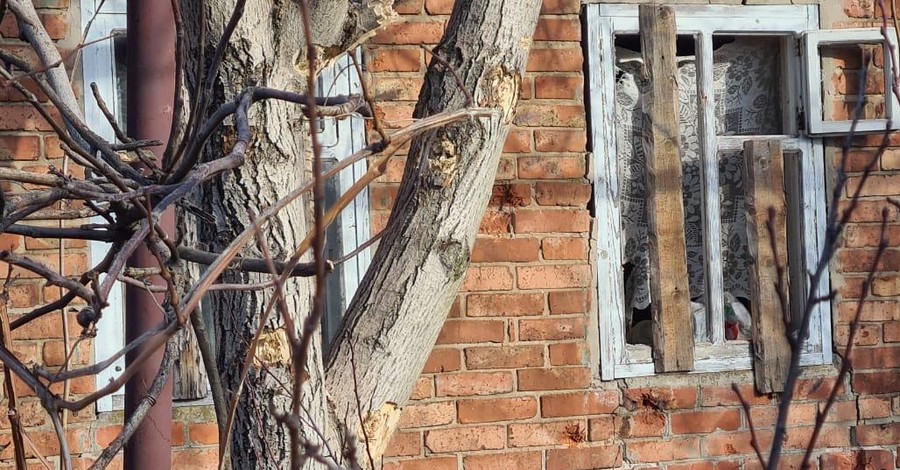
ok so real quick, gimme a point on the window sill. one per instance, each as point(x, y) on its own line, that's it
point(708, 358)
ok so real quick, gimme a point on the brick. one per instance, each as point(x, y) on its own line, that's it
point(504, 357)
point(885, 357)
point(660, 398)
point(856, 260)
point(861, 236)
point(551, 167)
point(561, 302)
point(382, 197)
point(439, 463)
point(498, 409)
point(695, 422)
point(551, 220)
point(585, 458)
point(395, 60)
point(603, 428)
point(24, 295)
point(203, 433)
point(19, 147)
point(471, 331)
point(510, 195)
point(560, 378)
point(888, 286)
point(551, 329)
point(872, 311)
point(9, 241)
point(410, 33)
point(557, 29)
point(876, 382)
point(867, 334)
point(892, 332)
point(466, 439)
point(842, 411)
point(560, 88)
point(55, 353)
point(553, 276)
point(569, 248)
point(495, 223)
point(562, 193)
point(504, 305)
point(54, 23)
point(547, 434)
point(830, 436)
point(859, 8)
point(487, 278)
point(550, 115)
point(579, 403)
point(876, 185)
point(560, 140)
point(517, 141)
point(765, 416)
point(871, 211)
point(427, 414)
point(473, 383)
point(567, 59)
point(735, 443)
point(568, 354)
point(404, 444)
point(509, 460)
point(442, 360)
point(661, 451)
point(862, 459)
point(422, 389)
point(815, 389)
point(874, 407)
point(106, 434)
point(643, 423)
point(560, 7)
point(488, 250)
point(397, 88)
point(25, 118)
point(725, 396)
point(878, 434)
point(439, 7)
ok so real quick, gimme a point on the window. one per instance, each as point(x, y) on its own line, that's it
point(103, 63)
point(740, 78)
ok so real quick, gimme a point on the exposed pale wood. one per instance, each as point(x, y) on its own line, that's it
point(712, 222)
point(189, 380)
point(763, 192)
point(771, 19)
point(606, 195)
point(673, 337)
point(398, 310)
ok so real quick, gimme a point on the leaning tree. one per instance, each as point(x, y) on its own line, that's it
point(242, 169)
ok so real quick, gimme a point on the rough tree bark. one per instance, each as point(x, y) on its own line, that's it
point(266, 49)
point(399, 309)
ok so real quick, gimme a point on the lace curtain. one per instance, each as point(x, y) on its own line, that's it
point(746, 78)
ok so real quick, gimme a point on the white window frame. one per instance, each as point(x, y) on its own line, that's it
point(341, 138)
point(816, 77)
point(618, 359)
point(98, 66)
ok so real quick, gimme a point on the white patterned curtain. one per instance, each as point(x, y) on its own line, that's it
point(746, 76)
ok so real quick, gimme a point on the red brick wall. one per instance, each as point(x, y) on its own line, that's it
point(512, 382)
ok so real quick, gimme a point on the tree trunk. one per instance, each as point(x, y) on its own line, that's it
point(266, 50)
point(398, 311)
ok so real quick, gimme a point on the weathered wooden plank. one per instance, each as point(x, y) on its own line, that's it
point(673, 337)
point(764, 195)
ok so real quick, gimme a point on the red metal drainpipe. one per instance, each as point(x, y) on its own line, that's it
point(150, 89)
